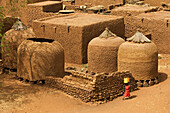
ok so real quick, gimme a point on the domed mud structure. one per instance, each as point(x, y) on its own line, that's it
point(140, 56)
point(38, 58)
point(102, 52)
point(11, 41)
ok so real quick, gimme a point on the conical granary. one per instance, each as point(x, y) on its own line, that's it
point(102, 52)
point(11, 41)
point(139, 55)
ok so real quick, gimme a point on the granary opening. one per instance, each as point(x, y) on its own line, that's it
point(41, 40)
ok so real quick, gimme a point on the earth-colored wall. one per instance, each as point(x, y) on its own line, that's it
point(156, 2)
point(156, 23)
point(99, 2)
point(93, 88)
point(26, 14)
point(33, 12)
point(75, 37)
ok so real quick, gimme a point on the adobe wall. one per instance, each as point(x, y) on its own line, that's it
point(99, 2)
point(33, 12)
point(93, 88)
point(156, 2)
point(156, 23)
point(34, 1)
point(129, 11)
point(29, 13)
point(75, 38)
point(132, 10)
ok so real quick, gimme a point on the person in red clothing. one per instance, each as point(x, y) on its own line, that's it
point(127, 89)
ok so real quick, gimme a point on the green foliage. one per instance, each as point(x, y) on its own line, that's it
point(12, 6)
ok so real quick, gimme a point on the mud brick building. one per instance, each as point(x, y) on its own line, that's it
point(132, 10)
point(99, 2)
point(156, 23)
point(92, 88)
point(39, 10)
point(156, 2)
point(128, 11)
point(75, 31)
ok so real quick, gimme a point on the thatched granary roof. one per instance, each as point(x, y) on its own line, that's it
point(107, 33)
point(19, 25)
point(139, 38)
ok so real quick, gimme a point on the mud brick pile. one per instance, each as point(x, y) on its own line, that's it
point(155, 23)
point(96, 88)
point(39, 10)
point(75, 31)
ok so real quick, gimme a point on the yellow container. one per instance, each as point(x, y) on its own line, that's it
point(126, 80)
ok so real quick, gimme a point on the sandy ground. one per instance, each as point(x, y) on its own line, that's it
point(18, 97)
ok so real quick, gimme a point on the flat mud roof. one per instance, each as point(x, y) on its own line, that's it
point(79, 19)
point(156, 15)
point(135, 8)
point(45, 3)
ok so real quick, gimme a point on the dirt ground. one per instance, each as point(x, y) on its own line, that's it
point(20, 97)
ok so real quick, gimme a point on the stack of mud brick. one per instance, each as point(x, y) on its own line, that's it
point(155, 23)
point(93, 88)
point(75, 31)
point(40, 10)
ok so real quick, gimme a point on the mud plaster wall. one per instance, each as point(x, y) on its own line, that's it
point(74, 38)
point(99, 2)
point(129, 11)
point(34, 1)
point(156, 2)
point(28, 13)
point(98, 87)
point(37, 12)
point(158, 27)
point(132, 10)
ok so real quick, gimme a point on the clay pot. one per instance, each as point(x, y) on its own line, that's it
point(102, 52)
point(38, 58)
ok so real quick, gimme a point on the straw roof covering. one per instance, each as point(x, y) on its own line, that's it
point(107, 33)
point(38, 58)
point(139, 38)
point(19, 25)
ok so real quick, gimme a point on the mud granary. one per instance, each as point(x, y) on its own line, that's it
point(59, 46)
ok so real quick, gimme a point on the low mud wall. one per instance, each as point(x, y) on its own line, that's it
point(93, 88)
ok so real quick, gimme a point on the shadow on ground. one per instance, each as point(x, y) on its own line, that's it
point(162, 76)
